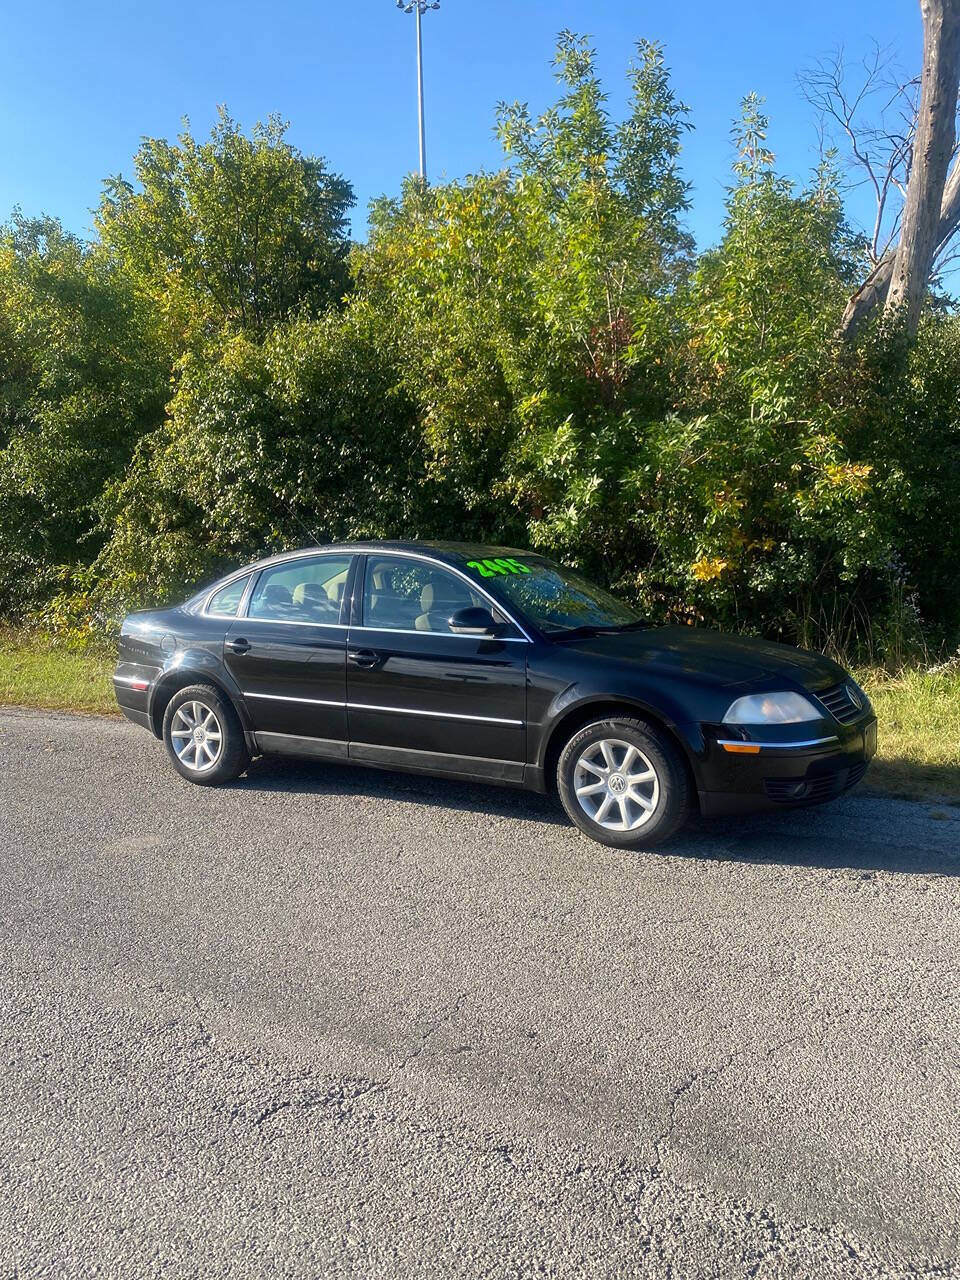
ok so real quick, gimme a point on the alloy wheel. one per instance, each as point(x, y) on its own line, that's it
point(616, 785)
point(197, 736)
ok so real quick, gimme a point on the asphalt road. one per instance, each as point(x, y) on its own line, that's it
point(332, 1022)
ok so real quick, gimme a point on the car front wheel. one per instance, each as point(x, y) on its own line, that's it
point(623, 783)
point(204, 737)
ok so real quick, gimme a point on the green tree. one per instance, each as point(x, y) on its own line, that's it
point(535, 355)
point(235, 230)
point(531, 309)
point(82, 376)
point(762, 305)
point(768, 509)
point(304, 437)
point(604, 203)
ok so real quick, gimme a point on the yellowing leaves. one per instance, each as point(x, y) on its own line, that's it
point(708, 568)
point(727, 501)
point(854, 477)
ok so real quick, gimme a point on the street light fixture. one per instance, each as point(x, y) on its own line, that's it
point(420, 7)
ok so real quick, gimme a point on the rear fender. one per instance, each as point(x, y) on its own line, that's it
point(197, 666)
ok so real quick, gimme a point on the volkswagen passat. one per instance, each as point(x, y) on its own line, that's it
point(490, 664)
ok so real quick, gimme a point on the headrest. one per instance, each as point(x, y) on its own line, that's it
point(310, 593)
point(430, 593)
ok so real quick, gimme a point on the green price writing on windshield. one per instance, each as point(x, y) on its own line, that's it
point(502, 565)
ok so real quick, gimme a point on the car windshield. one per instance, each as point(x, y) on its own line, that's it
point(558, 600)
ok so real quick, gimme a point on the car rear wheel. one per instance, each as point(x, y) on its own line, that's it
point(204, 737)
point(623, 783)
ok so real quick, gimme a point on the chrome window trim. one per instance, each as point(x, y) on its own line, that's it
point(289, 622)
point(776, 746)
point(445, 635)
point(254, 572)
point(349, 556)
point(400, 711)
point(344, 626)
point(443, 564)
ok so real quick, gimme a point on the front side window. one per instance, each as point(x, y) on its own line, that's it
point(226, 602)
point(412, 595)
point(308, 590)
point(557, 599)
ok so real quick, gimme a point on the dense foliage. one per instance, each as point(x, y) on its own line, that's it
point(535, 356)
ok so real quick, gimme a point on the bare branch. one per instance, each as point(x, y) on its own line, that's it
point(873, 112)
point(874, 290)
point(922, 165)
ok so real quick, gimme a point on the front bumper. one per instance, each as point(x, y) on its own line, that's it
point(781, 775)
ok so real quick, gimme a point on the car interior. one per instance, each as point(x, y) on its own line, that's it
point(307, 591)
point(399, 595)
point(407, 596)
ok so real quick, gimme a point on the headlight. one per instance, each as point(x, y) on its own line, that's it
point(771, 708)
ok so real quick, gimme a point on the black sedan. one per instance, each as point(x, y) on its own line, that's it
point(491, 664)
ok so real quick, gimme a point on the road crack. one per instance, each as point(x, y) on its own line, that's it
point(677, 1094)
point(432, 1029)
point(707, 1076)
point(337, 1100)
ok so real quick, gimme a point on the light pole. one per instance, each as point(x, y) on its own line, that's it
point(420, 7)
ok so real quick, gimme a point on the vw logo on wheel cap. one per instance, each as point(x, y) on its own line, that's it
point(618, 784)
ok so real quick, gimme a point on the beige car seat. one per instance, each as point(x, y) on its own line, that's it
point(388, 606)
point(274, 602)
point(439, 598)
point(312, 598)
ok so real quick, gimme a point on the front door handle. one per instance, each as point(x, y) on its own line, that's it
point(239, 646)
point(364, 657)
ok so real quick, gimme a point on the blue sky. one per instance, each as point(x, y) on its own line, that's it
point(81, 83)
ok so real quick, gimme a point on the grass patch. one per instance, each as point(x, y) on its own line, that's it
point(919, 733)
point(37, 672)
point(919, 713)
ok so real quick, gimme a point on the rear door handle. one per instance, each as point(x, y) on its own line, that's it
point(363, 657)
point(239, 645)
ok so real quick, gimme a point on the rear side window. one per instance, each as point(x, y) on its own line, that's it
point(226, 601)
point(309, 590)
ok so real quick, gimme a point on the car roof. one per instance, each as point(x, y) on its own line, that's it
point(454, 552)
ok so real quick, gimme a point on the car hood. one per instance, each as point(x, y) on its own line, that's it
point(711, 655)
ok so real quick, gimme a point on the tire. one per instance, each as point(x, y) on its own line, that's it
point(621, 813)
point(221, 754)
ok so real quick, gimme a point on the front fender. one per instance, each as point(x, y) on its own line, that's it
point(577, 701)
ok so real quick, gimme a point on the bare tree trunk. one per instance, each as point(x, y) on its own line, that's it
point(933, 149)
point(873, 292)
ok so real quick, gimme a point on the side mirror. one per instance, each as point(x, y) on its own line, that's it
point(474, 621)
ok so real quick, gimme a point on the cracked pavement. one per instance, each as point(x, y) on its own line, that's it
point(334, 1022)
